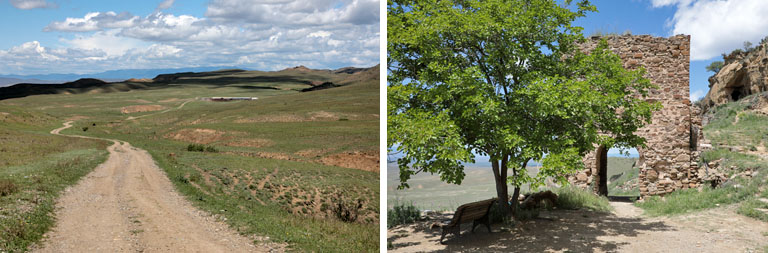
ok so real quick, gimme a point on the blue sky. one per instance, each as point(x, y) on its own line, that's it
point(88, 36)
point(715, 26)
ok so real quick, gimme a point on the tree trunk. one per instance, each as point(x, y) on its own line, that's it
point(500, 176)
point(516, 193)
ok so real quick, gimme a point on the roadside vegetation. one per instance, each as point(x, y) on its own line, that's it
point(34, 169)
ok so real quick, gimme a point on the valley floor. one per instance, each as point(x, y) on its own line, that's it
point(626, 229)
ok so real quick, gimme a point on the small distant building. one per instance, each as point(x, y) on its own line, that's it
point(219, 99)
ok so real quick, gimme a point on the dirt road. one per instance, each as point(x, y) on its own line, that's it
point(624, 230)
point(127, 204)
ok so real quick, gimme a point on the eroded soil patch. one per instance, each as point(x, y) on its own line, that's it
point(141, 108)
point(196, 135)
point(367, 161)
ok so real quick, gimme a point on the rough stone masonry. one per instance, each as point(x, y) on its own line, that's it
point(669, 162)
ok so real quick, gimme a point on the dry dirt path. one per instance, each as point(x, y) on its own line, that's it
point(164, 111)
point(624, 230)
point(127, 204)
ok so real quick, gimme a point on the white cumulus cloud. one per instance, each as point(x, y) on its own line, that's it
point(32, 4)
point(257, 34)
point(718, 26)
point(696, 95)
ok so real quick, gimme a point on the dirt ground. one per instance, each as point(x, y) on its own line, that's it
point(127, 204)
point(141, 108)
point(624, 230)
point(367, 161)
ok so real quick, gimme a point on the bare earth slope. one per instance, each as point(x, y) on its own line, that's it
point(128, 205)
point(624, 230)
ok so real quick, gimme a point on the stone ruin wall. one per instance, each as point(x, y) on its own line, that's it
point(670, 160)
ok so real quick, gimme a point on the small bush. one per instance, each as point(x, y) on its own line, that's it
point(195, 148)
point(402, 213)
point(182, 179)
point(7, 187)
point(201, 148)
point(347, 211)
point(570, 197)
point(85, 129)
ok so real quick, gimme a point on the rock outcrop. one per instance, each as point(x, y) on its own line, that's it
point(743, 74)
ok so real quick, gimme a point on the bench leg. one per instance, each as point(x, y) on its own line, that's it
point(455, 230)
point(443, 236)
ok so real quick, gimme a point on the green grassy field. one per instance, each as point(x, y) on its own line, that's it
point(289, 165)
point(622, 177)
point(34, 168)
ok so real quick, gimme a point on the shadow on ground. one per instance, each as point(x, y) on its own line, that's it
point(559, 230)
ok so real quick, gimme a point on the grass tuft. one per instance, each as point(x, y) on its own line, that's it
point(570, 197)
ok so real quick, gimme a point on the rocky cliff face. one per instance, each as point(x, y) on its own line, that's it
point(743, 74)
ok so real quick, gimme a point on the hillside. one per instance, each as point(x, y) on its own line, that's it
point(297, 78)
point(289, 167)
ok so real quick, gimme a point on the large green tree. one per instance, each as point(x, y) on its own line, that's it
point(504, 79)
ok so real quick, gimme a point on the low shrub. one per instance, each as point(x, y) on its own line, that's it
point(195, 148)
point(402, 213)
point(201, 148)
point(347, 211)
point(7, 187)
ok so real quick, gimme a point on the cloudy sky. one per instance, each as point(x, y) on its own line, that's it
point(89, 36)
point(715, 26)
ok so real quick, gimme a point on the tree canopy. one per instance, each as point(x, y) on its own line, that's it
point(504, 79)
point(715, 66)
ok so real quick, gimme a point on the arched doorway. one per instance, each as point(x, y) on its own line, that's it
point(602, 170)
point(617, 172)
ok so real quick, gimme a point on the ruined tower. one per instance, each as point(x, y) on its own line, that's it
point(670, 160)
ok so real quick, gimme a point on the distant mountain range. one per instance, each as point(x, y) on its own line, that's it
point(109, 76)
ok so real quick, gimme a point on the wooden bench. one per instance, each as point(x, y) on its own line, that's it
point(476, 212)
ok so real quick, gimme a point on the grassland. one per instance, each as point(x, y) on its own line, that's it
point(622, 176)
point(34, 168)
point(290, 166)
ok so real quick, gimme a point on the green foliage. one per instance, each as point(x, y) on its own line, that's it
point(201, 148)
point(715, 66)
point(571, 197)
point(504, 78)
point(748, 46)
point(402, 213)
